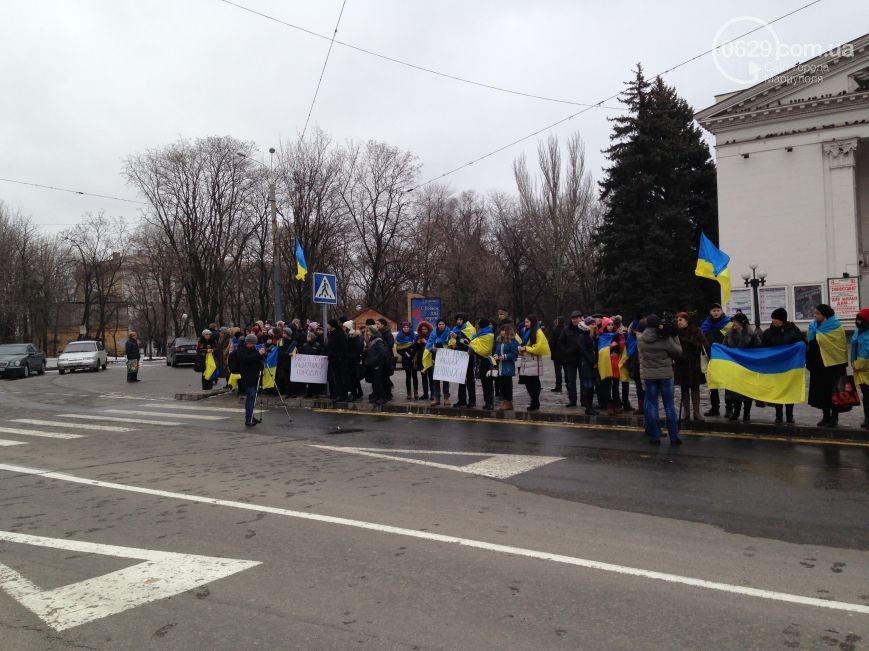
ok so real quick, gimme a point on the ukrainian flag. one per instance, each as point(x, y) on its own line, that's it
point(604, 364)
point(713, 263)
point(301, 263)
point(211, 372)
point(776, 375)
point(270, 369)
point(483, 342)
point(831, 340)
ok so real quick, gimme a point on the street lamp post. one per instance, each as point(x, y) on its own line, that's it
point(276, 268)
point(757, 279)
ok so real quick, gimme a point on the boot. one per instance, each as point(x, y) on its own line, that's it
point(685, 408)
point(611, 410)
point(588, 403)
point(834, 419)
point(746, 414)
point(695, 399)
point(733, 411)
point(789, 414)
point(435, 403)
point(825, 419)
point(712, 411)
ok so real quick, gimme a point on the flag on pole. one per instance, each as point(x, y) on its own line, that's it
point(301, 263)
point(713, 263)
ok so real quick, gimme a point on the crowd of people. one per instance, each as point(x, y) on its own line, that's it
point(596, 359)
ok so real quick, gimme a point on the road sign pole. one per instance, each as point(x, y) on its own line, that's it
point(325, 328)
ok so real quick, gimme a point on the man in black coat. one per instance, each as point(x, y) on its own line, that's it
point(250, 365)
point(376, 356)
point(555, 351)
point(782, 332)
point(131, 350)
point(336, 349)
point(571, 354)
point(389, 364)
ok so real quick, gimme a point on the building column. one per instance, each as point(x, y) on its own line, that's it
point(840, 200)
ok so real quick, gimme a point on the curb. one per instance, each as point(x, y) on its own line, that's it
point(567, 418)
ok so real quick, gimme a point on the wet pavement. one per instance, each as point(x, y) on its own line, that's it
point(389, 531)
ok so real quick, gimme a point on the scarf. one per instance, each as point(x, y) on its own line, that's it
point(403, 341)
point(831, 341)
point(434, 338)
point(825, 328)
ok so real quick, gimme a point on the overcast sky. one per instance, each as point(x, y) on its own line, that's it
point(84, 83)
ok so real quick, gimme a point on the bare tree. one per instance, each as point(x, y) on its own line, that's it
point(208, 202)
point(374, 186)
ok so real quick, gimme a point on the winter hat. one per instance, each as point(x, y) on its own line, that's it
point(606, 321)
point(404, 323)
point(740, 318)
point(589, 321)
point(715, 305)
point(653, 321)
point(617, 319)
point(335, 323)
point(683, 315)
point(576, 314)
point(250, 339)
point(483, 323)
point(780, 314)
point(348, 325)
point(206, 332)
point(313, 325)
point(863, 315)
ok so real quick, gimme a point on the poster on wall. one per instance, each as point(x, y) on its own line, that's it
point(806, 297)
point(844, 296)
point(771, 298)
point(424, 309)
point(740, 299)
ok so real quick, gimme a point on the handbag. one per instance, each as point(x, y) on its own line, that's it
point(845, 393)
point(530, 366)
point(704, 362)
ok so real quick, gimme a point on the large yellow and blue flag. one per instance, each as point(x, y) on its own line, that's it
point(604, 362)
point(211, 372)
point(483, 342)
point(301, 263)
point(713, 263)
point(270, 368)
point(776, 374)
point(831, 340)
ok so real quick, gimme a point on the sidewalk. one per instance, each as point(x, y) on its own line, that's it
point(553, 411)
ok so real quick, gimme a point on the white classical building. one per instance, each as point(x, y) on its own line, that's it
point(793, 183)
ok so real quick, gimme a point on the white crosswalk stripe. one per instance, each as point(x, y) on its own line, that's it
point(88, 426)
point(149, 413)
point(233, 410)
point(39, 433)
point(6, 443)
point(120, 420)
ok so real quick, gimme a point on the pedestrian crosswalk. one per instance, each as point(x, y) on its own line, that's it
point(110, 421)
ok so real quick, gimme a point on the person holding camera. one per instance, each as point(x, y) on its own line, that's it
point(657, 349)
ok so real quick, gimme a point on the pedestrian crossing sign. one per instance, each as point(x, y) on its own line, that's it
point(325, 289)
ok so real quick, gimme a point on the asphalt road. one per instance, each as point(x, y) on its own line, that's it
point(177, 527)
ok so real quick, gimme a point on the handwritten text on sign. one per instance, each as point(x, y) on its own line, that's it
point(309, 369)
point(451, 365)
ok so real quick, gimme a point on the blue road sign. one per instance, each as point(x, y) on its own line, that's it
point(325, 289)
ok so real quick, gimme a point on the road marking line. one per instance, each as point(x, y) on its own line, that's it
point(234, 410)
point(150, 413)
point(52, 423)
point(33, 432)
point(496, 466)
point(161, 575)
point(4, 443)
point(120, 420)
point(462, 542)
point(592, 426)
point(119, 396)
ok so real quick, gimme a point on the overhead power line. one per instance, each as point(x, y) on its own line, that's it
point(81, 192)
point(415, 66)
point(323, 71)
point(606, 99)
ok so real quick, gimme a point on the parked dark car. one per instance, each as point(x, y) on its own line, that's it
point(20, 360)
point(181, 350)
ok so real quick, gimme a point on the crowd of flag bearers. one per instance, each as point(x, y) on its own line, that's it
point(598, 360)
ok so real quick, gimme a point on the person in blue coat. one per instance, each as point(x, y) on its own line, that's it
point(505, 353)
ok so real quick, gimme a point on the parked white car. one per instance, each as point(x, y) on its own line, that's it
point(82, 354)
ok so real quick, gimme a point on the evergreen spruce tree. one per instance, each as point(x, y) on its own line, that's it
point(659, 192)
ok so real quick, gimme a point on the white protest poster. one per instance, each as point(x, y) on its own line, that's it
point(844, 296)
point(451, 365)
point(771, 298)
point(309, 369)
